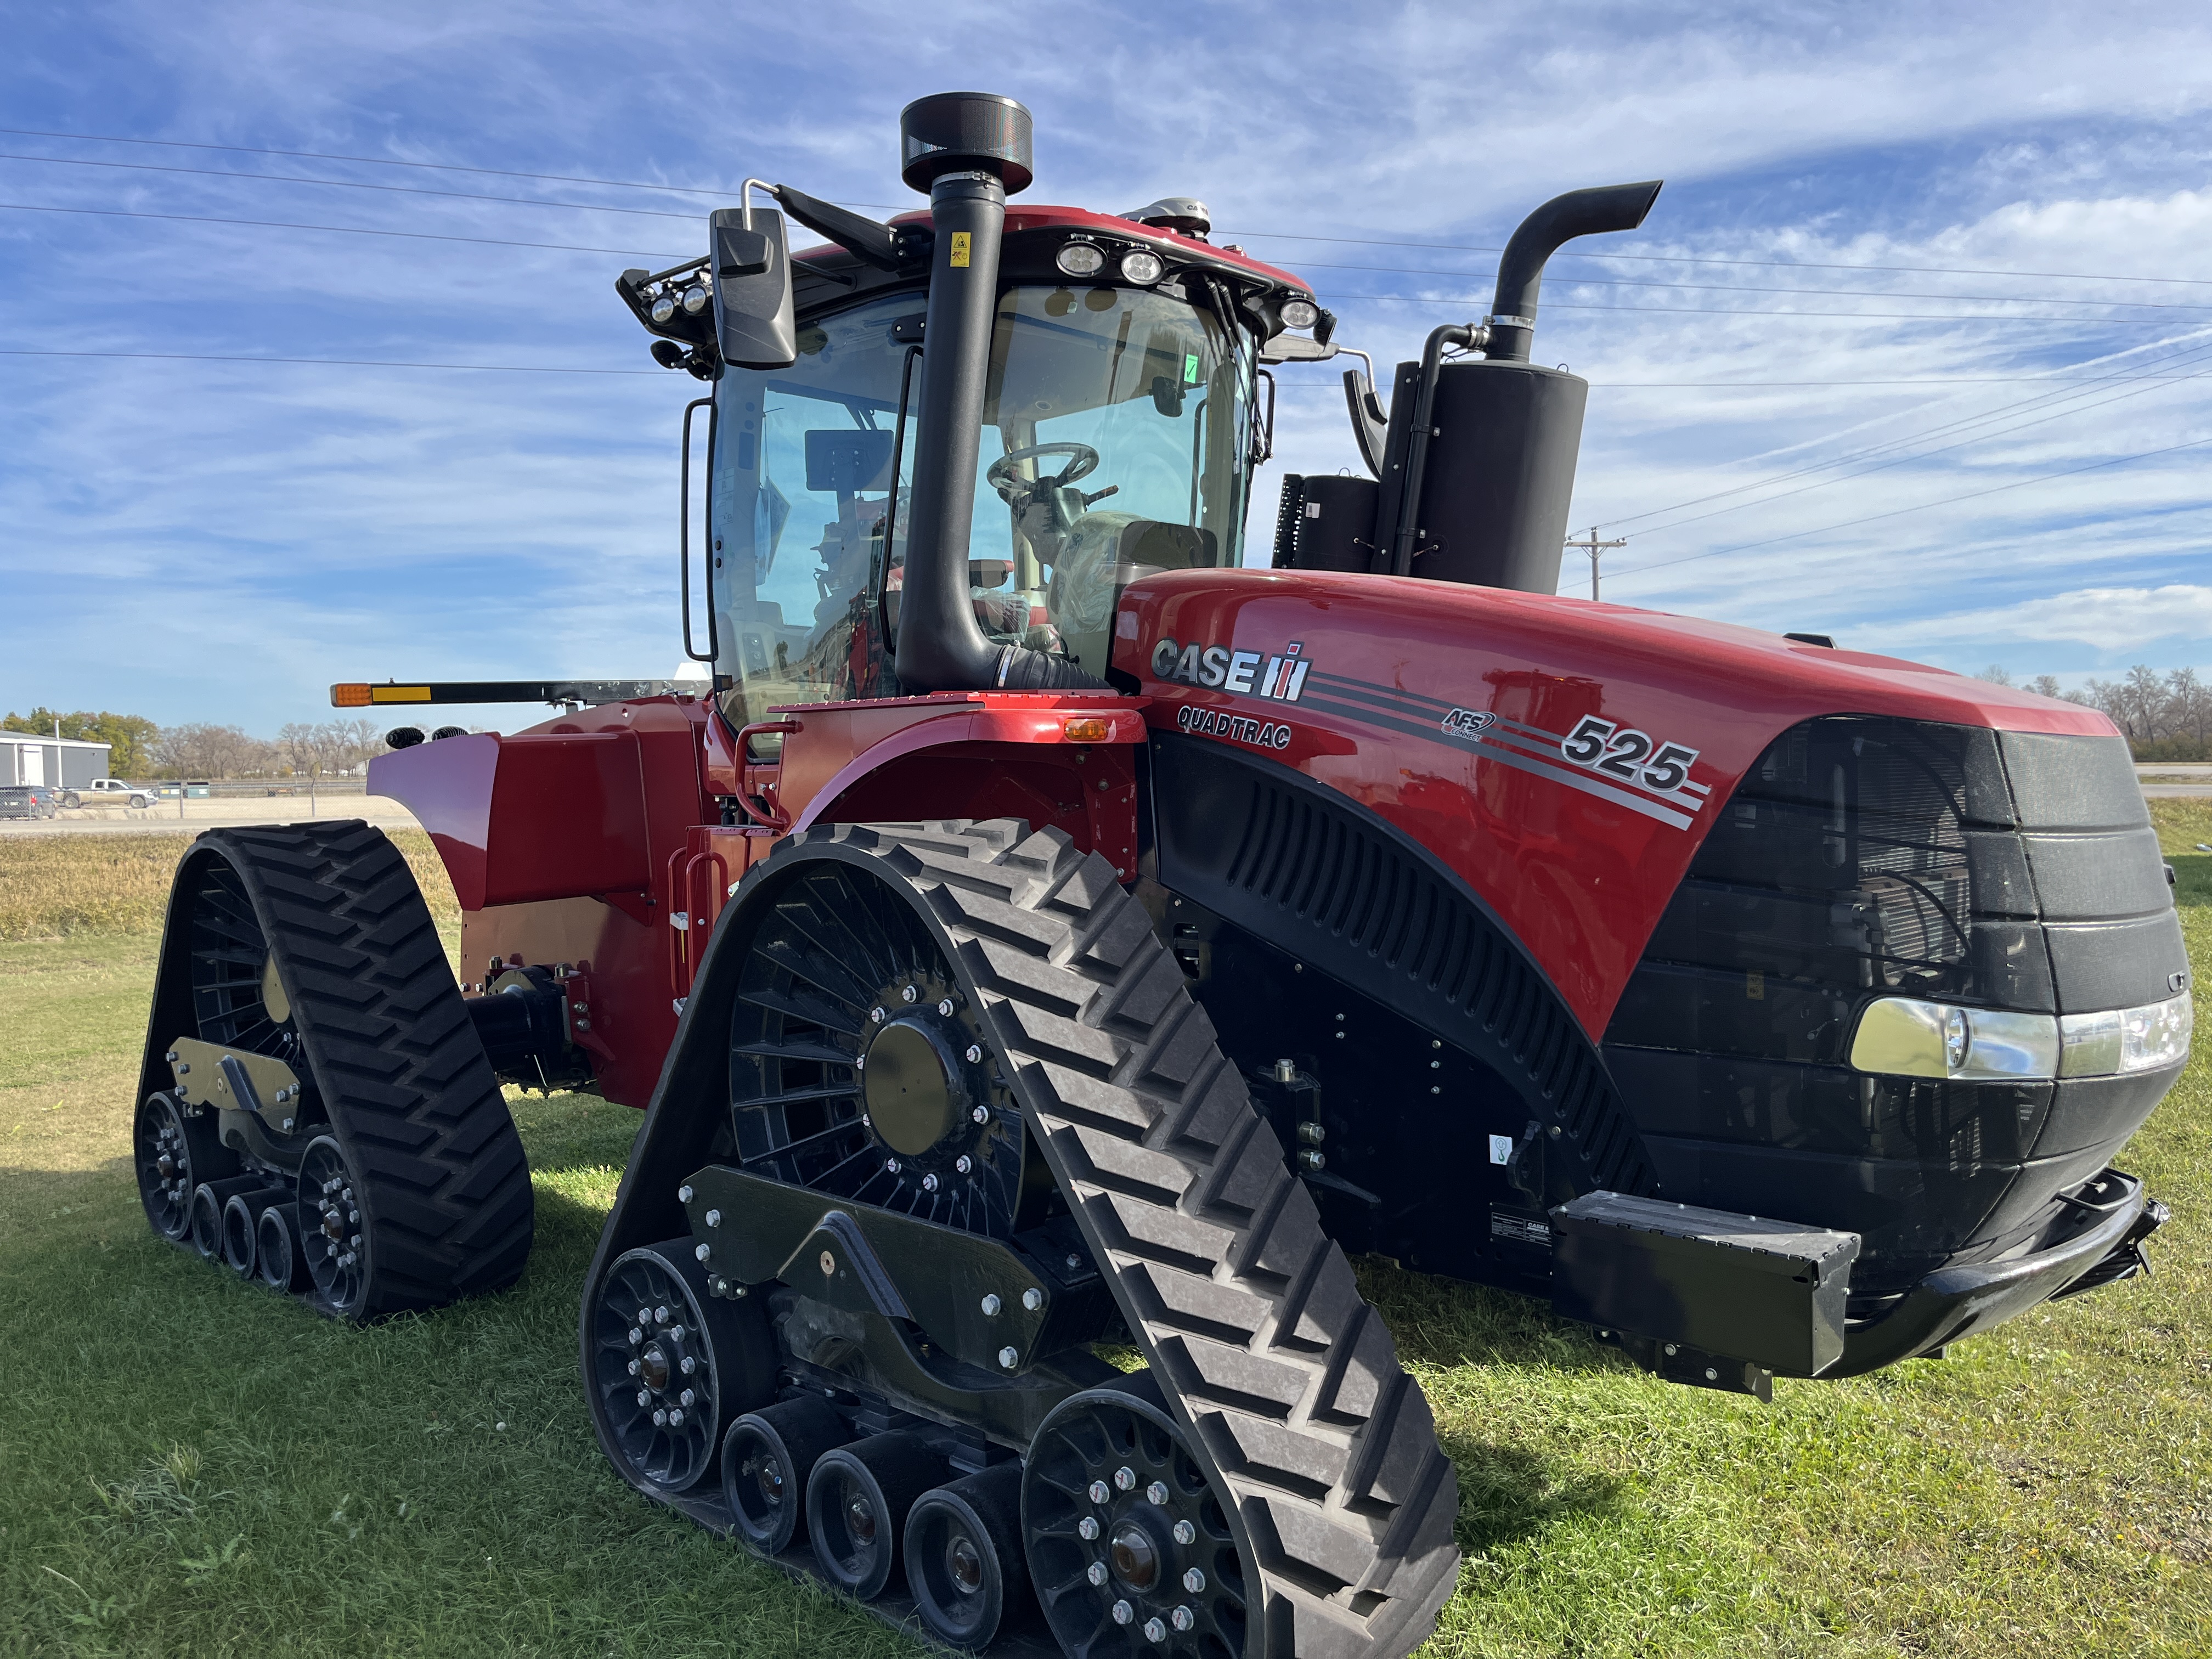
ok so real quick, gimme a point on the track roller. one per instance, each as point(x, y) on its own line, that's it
point(283, 1263)
point(857, 1500)
point(241, 1218)
point(964, 1565)
point(304, 1006)
point(175, 1149)
point(210, 1199)
point(767, 1457)
point(669, 1361)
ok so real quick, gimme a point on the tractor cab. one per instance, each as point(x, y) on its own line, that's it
point(1117, 437)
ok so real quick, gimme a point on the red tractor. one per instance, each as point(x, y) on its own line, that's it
point(1047, 939)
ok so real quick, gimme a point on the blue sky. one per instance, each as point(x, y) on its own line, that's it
point(1992, 443)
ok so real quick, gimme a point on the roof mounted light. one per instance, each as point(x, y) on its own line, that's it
point(1141, 266)
point(1080, 259)
point(1300, 313)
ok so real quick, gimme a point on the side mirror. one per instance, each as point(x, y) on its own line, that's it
point(751, 261)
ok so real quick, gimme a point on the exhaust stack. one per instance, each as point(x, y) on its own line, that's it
point(969, 150)
point(1487, 449)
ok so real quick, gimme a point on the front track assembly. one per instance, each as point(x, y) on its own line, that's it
point(315, 1108)
point(941, 1116)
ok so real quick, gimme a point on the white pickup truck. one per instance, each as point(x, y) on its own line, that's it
point(108, 792)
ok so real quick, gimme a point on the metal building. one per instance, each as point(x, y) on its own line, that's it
point(64, 763)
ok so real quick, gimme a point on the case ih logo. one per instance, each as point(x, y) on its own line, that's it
point(1249, 673)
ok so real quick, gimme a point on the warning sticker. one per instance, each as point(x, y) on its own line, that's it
point(1521, 1228)
point(960, 246)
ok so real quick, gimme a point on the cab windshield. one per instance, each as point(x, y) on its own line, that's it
point(1116, 442)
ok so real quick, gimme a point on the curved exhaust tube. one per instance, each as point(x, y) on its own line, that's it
point(966, 149)
point(1541, 234)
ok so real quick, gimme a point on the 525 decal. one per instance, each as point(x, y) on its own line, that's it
point(1629, 755)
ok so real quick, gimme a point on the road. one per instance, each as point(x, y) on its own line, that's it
point(168, 817)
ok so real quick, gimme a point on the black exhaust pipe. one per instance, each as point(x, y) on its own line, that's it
point(1481, 471)
point(969, 150)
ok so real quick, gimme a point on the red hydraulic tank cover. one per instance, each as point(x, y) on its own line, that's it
point(1564, 757)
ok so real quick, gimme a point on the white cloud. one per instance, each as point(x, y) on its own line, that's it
point(2112, 620)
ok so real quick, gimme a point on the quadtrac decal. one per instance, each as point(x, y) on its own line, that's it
point(1647, 774)
point(1241, 729)
point(1279, 677)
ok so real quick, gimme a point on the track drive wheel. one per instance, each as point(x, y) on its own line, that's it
point(309, 944)
point(175, 1149)
point(671, 1363)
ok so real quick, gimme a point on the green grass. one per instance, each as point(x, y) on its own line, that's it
point(189, 1466)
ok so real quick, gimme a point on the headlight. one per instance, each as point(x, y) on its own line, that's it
point(1141, 267)
point(1080, 259)
point(1300, 313)
point(664, 307)
point(1904, 1037)
point(695, 298)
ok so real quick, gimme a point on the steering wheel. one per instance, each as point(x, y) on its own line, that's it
point(1013, 490)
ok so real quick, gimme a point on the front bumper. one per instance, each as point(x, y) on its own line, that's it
point(2096, 1240)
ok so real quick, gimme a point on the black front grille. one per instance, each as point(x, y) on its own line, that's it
point(1862, 857)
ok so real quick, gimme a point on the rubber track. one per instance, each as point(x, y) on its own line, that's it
point(1248, 1312)
point(395, 1058)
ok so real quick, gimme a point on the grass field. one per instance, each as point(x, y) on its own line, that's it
point(189, 1466)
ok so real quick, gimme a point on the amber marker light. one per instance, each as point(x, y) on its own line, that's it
point(349, 696)
point(1088, 731)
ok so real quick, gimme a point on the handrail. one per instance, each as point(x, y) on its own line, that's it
point(768, 818)
point(684, 532)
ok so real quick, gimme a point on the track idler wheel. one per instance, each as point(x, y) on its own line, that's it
point(175, 1151)
point(857, 1500)
point(964, 1557)
point(669, 1362)
point(1124, 1530)
point(767, 1458)
point(334, 1239)
point(277, 1250)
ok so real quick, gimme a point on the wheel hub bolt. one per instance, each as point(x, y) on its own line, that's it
point(975, 1053)
point(876, 1016)
point(1124, 1613)
point(1126, 1478)
point(691, 1363)
point(1087, 1527)
point(636, 1336)
point(1184, 1532)
point(981, 1114)
point(676, 1419)
point(909, 994)
point(659, 1419)
point(1096, 1572)
point(1157, 1493)
point(661, 1315)
point(946, 1008)
point(1155, 1630)
point(689, 1396)
point(963, 1164)
point(1194, 1580)
point(643, 1398)
point(929, 1183)
point(633, 1368)
point(1182, 1619)
point(1100, 1492)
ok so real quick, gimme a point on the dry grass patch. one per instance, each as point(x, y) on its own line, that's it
point(65, 885)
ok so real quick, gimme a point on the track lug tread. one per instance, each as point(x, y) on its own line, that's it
point(1248, 1312)
point(394, 1057)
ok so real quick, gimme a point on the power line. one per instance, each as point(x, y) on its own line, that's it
point(1275, 235)
point(1401, 270)
point(365, 160)
point(1874, 518)
point(334, 362)
point(348, 184)
point(343, 230)
point(1933, 432)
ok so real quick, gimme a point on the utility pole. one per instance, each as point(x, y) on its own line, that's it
point(1593, 547)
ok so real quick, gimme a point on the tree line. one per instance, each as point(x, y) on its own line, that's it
point(2165, 717)
point(139, 748)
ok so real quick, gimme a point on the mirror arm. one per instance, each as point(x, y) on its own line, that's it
point(1371, 426)
point(877, 245)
